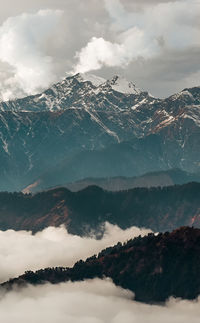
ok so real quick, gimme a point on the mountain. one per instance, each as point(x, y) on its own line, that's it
point(154, 179)
point(154, 267)
point(85, 126)
point(159, 209)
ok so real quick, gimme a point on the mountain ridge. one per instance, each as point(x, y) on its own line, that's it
point(75, 120)
point(158, 209)
point(152, 179)
point(154, 267)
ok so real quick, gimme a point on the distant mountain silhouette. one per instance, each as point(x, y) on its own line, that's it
point(159, 209)
point(154, 179)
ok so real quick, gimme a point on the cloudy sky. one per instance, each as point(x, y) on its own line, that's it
point(154, 43)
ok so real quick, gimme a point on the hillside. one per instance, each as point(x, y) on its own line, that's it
point(159, 209)
point(154, 267)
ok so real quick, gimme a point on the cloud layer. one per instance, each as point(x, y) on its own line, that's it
point(94, 301)
point(21, 251)
point(142, 34)
point(22, 47)
point(154, 43)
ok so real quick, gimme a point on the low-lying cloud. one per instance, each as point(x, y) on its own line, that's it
point(146, 33)
point(93, 301)
point(21, 250)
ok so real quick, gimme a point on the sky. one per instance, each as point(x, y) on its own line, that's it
point(154, 43)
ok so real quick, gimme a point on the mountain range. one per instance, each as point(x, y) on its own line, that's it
point(88, 151)
point(153, 179)
point(85, 126)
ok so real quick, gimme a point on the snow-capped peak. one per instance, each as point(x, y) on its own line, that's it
point(95, 80)
point(117, 83)
point(120, 84)
point(182, 94)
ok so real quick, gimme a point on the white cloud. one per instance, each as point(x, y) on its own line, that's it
point(95, 301)
point(22, 47)
point(111, 34)
point(98, 52)
point(21, 251)
point(145, 33)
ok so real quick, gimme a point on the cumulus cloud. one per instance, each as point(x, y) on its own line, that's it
point(145, 33)
point(99, 52)
point(22, 48)
point(139, 36)
point(21, 251)
point(93, 301)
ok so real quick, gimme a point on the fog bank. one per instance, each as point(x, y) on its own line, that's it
point(21, 250)
point(94, 301)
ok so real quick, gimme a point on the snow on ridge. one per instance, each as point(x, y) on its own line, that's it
point(183, 93)
point(95, 80)
point(120, 84)
point(117, 83)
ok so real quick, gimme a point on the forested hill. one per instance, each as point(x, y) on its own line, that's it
point(159, 209)
point(154, 267)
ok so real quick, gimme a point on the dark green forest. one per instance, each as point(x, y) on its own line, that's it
point(154, 267)
point(159, 209)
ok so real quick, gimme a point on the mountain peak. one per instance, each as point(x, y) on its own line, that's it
point(118, 83)
point(86, 77)
point(122, 85)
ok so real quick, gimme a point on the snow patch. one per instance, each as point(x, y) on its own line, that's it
point(120, 84)
point(101, 124)
point(5, 145)
point(183, 93)
point(194, 115)
point(143, 101)
point(95, 80)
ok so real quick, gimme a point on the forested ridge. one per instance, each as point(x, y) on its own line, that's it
point(154, 267)
point(159, 209)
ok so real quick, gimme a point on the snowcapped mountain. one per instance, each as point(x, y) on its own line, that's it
point(81, 90)
point(121, 85)
point(87, 126)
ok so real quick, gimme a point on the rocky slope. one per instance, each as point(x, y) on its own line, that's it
point(159, 209)
point(85, 126)
point(154, 267)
